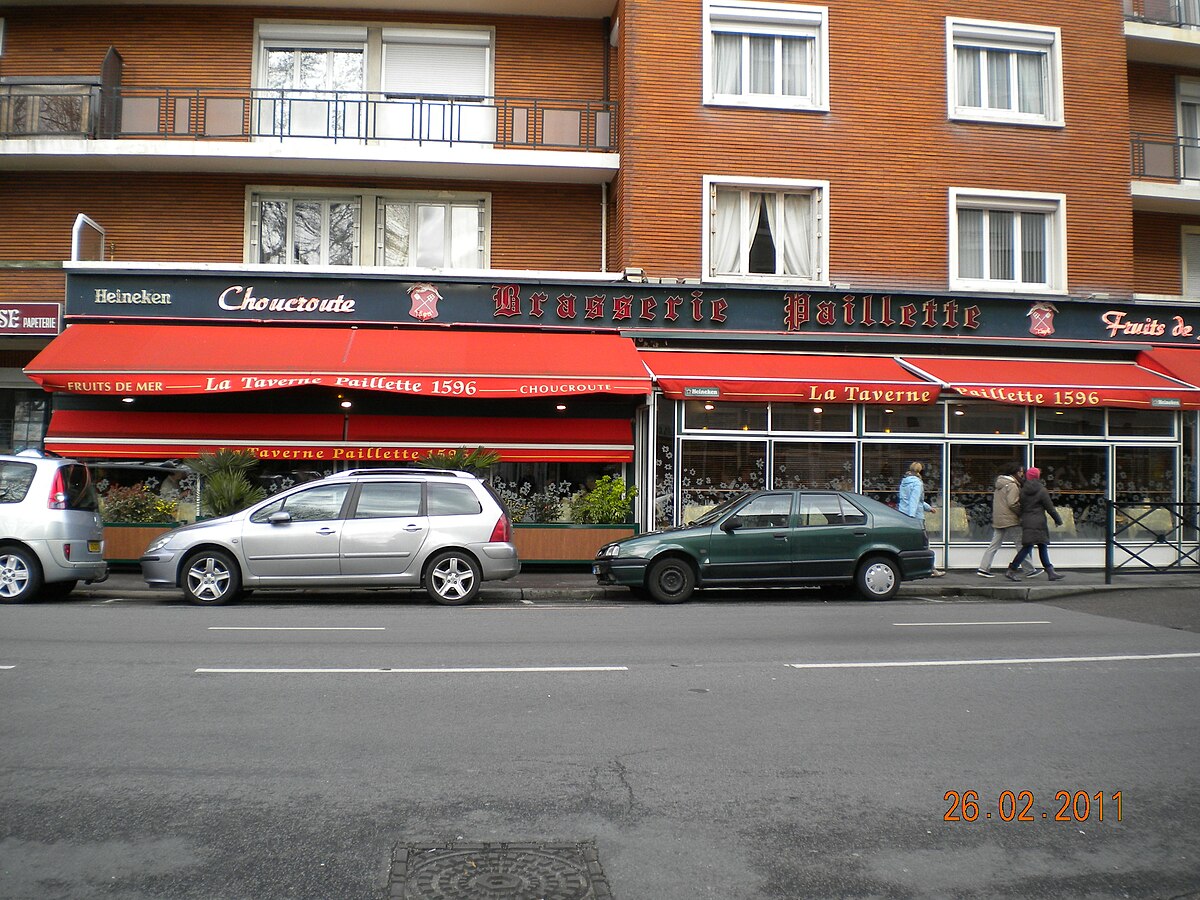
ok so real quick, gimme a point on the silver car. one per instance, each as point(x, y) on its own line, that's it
point(368, 528)
point(50, 532)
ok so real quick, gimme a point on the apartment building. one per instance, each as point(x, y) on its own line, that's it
point(701, 244)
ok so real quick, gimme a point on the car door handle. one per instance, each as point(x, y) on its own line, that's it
point(860, 534)
point(412, 528)
point(780, 537)
point(326, 530)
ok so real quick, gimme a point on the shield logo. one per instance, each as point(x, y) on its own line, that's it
point(1041, 318)
point(425, 297)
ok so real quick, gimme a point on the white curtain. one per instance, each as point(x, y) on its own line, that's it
point(968, 77)
point(795, 67)
point(1001, 245)
point(755, 202)
point(727, 238)
point(1030, 83)
point(797, 236)
point(727, 64)
point(762, 65)
point(999, 96)
point(970, 243)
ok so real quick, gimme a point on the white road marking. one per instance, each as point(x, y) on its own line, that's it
point(991, 662)
point(7, 667)
point(293, 628)
point(947, 624)
point(479, 670)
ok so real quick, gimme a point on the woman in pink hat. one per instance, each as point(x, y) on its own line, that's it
point(1035, 506)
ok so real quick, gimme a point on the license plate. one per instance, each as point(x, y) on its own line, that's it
point(595, 570)
point(93, 546)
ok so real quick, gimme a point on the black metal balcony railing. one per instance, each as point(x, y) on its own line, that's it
point(1165, 157)
point(1176, 13)
point(360, 117)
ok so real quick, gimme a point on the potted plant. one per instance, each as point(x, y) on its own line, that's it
point(598, 515)
point(226, 486)
point(133, 517)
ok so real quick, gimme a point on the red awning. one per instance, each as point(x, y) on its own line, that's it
point(795, 377)
point(1182, 363)
point(1061, 383)
point(219, 359)
point(333, 438)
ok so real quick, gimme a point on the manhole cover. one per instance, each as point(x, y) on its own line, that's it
point(499, 871)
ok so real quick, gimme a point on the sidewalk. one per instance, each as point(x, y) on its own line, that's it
point(578, 586)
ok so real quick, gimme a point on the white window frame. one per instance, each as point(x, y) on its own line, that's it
point(1054, 205)
point(441, 198)
point(752, 17)
point(300, 195)
point(366, 245)
point(1006, 36)
point(820, 210)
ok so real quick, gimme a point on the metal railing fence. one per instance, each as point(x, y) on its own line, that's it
point(1151, 537)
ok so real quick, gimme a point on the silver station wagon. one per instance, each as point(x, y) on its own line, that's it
point(50, 532)
point(441, 530)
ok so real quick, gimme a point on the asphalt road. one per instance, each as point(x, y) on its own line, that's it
point(284, 747)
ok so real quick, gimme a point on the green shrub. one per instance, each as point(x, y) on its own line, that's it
point(136, 503)
point(227, 489)
point(610, 502)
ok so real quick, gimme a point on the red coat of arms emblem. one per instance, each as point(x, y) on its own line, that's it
point(1041, 318)
point(425, 299)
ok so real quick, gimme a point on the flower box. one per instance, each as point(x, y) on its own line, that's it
point(565, 543)
point(125, 542)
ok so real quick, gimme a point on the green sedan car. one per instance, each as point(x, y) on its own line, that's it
point(773, 539)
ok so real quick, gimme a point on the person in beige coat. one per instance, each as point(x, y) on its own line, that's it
point(1006, 520)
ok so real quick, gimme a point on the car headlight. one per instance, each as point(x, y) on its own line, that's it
point(160, 544)
point(610, 550)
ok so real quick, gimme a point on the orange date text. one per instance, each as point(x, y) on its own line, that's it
point(1023, 806)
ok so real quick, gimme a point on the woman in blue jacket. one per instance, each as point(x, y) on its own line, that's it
point(912, 498)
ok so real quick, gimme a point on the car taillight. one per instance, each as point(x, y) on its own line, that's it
point(58, 492)
point(67, 551)
point(502, 532)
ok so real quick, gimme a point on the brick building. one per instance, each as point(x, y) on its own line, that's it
point(704, 244)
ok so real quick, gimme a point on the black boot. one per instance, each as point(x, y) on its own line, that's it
point(1054, 576)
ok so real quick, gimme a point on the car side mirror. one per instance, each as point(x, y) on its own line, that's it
point(732, 524)
point(280, 518)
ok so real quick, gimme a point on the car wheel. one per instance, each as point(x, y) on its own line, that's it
point(878, 578)
point(671, 580)
point(20, 575)
point(211, 578)
point(58, 590)
point(452, 579)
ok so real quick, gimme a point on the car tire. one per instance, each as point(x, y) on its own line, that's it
point(211, 578)
point(877, 578)
point(20, 575)
point(58, 590)
point(671, 580)
point(452, 578)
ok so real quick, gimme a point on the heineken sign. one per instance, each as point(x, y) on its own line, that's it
point(253, 296)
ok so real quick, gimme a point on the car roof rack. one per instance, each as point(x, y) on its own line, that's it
point(404, 471)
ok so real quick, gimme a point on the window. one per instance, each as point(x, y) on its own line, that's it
point(766, 54)
point(305, 231)
point(1007, 242)
point(1190, 245)
point(433, 234)
point(312, 505)
point(1188, 116)
point(313, 78)
point(767, 511)
point(383, 500)
point(1004, 73)
point(768, 230)
point(452, 500)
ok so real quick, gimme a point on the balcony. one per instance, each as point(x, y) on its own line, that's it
point(1166, 173)
point(271, 130)
point(1166, 32)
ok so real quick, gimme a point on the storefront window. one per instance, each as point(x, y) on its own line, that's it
point(664, 465)
point(903, 419)
point(973, 472)
point(987, 418)
point(713, 415)
point(837, 417)
point(1145, 477)
point(541, 492)
point(1141, 423)
point(1069, 422)
point(883, 465)
point(713, 471)
point(22, 420)
point(1077, 480)
point(811, 465)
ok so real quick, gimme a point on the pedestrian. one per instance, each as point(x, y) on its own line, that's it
point(1006, 520)
point(912, 499)
point(1035, 506)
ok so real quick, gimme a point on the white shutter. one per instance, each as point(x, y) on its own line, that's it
point(441, 64)
point(1191, 264)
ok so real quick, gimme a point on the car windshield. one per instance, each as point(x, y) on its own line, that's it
point(710, 517)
